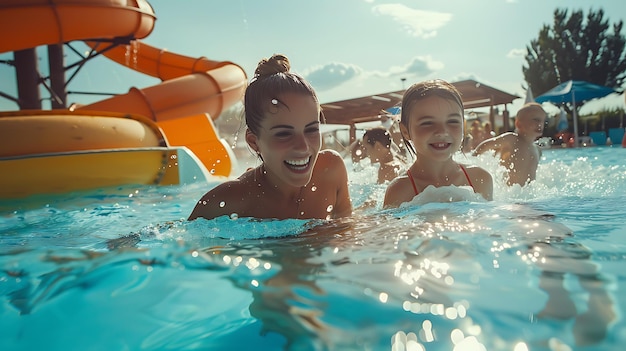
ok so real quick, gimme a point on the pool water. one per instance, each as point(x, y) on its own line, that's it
point(538, 268)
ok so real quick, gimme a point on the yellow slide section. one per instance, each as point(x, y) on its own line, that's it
point(191, 87)
point(38, 132)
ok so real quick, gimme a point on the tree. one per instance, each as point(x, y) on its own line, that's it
point(576, 48)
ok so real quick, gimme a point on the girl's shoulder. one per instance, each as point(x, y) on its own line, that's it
point(482, 181)
point(398, 190)
point(475, 171)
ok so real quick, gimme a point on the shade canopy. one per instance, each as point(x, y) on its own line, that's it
point(362, 109)
point(375, 107)
point(574, 92)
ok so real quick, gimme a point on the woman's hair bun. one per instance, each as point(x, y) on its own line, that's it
point(276, 64)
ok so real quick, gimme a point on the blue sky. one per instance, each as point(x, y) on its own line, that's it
point(348, 48)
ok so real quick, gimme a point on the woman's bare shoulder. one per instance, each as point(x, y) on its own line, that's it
point(329, 161)
point(232, 188)
point(329, 155)
point(228, 197)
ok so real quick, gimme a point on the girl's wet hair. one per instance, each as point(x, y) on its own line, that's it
point(423, 90)
point(271, 80)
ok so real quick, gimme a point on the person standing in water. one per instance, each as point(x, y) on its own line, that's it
point(377, 142)
point(295, 178)
point(431, 123)
point(518, 152)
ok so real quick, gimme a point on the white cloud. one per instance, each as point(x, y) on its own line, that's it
point(465, 76)
point(331, 75)
point(418, 23)
point(334, 74)
point(516, 53)
point(419, 66)
point(423, 66)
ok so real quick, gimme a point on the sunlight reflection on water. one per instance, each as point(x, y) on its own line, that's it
point(537, 268)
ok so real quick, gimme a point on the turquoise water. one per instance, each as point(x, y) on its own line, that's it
point(540, 268)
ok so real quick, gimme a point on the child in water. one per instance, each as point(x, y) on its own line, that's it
point(518, 152)
point(295, 179)
point(431, 123)
point(377, 142)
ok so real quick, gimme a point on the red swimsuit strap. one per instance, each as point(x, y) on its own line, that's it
point(408, 172)
point(467, 176)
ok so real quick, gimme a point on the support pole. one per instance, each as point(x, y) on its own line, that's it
point(27, 74)
point(57, 76)
point(506, 120)
point(575, 118)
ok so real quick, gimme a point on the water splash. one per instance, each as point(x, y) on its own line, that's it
point(131, 54)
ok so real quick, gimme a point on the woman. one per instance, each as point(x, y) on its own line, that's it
point(295, 179)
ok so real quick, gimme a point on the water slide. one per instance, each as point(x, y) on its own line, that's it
point(193, 92)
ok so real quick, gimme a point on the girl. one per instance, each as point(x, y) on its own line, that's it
point(431, 123)
point(295, 179)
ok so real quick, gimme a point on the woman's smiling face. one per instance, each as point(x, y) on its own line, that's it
point(435, 127)
point(289, 139)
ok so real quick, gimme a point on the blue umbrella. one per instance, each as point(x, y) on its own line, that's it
point(574, 91)
point(562, 125)
point(394, 110)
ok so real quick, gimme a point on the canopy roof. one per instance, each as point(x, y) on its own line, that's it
point(372, 107)
point(574, 91)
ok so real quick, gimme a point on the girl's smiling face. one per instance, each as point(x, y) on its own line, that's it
point(435, 127)
point(289, 139)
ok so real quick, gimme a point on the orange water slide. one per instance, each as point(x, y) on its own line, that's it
point(193, 91)
point(191, 85)
point(26, 24)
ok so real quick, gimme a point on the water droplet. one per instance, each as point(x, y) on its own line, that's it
point(329, 208)
point(222, 204)
point(313, 188)
point(234, 216)
point(212, 171)
point(127, 55)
